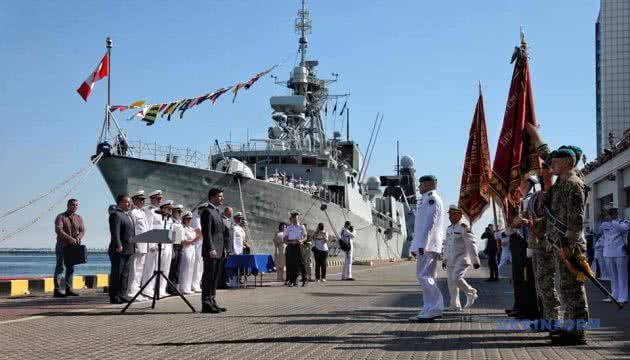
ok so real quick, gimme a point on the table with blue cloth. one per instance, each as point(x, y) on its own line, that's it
point(249, 264)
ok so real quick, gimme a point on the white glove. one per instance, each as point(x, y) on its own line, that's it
point(530, 253)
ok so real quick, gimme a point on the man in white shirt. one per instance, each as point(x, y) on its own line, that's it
point(198, 265)
point(295, 236)
point(138, 217)
point(427, 246)
point(615, 233)
point(346, 235)
point(460, 252)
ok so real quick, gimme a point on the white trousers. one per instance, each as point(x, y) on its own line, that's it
point(136, 267)
point(186, 264)
point(150, 265)
point(506, 256)
point(347, 266)
point(601, 264)
point(618, 273)
point(456, 282)
point(197, 267)
point(165, 266)
point(426, 272)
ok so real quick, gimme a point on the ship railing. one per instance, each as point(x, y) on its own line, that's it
point(164, 153)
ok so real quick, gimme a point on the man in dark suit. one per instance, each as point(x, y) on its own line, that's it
point(491, 250)
point(214, 246)
point(120, 249)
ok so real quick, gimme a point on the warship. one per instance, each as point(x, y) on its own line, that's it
point(297, 168)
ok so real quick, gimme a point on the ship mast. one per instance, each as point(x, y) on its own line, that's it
point(303, 26)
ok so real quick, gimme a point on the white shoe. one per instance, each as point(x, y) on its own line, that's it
point(323, 280)
point(607, 300)
point(196, 290)
point(470, 300)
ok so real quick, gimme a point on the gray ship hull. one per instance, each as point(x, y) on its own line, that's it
point(265, 204)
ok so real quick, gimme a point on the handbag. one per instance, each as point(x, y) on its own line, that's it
point(74, 255)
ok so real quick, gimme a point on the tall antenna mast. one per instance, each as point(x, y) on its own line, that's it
point(303, 27)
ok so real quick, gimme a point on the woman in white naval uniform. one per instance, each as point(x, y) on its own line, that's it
point(506, 254)
point(615, 233)
point(347, 235)
point(150, 262)
point(138, 217)
point(427, 246)
point(198, 266)
point(460, 252)
point(187, 262)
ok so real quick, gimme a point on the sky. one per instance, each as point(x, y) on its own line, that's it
point(417, 62)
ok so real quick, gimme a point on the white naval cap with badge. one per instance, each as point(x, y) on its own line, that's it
point(155, 193)
point(138, 195)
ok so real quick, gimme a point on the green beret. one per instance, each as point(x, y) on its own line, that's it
point(578, 152)
point(428, 178)
point(563, 153)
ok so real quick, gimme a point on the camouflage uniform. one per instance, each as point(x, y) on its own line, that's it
point(307, 255)
point(565, 200)
point(544, 259)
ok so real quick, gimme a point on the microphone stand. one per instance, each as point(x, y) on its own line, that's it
point(157, 273)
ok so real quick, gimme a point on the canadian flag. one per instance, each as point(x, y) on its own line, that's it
point(101, 71)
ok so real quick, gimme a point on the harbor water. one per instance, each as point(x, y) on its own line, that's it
point(36, 263)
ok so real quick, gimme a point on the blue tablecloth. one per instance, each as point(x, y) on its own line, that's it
point(254, 264)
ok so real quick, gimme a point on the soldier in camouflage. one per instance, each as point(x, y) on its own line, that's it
point(307, 253)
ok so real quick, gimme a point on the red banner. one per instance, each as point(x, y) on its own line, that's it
point(474, 193)
point(516, 155)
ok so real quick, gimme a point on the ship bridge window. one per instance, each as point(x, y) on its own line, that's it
point(309, 161)
point(275, 160)
point(322, 163)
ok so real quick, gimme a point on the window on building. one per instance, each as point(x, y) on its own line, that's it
point(627, 191)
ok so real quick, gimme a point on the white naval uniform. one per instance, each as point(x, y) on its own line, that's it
point(167, 255)
point(615, 233)
point(347, 236)
point(136, 266)
point(429, 235)
point(198, 266)
point(601, 261)
point(506, 254)
point(460, 252)
point(150, 262)
point(187, 262)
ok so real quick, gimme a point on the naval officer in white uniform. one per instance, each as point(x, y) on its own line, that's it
point(138, 217)
point(150, 263)
point(427, 246)
point(198, 265)
point(615, 233)
point(460, 252)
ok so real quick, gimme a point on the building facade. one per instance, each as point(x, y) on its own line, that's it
point(609, 182)
point(612, 71)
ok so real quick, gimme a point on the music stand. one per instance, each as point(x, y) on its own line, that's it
point(156, 236)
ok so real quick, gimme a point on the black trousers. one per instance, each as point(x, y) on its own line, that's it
point(321, 263)
point(525, 298)
point(295, 263)
point(173, 273)
point(493, 265)
point(119, 274)
point(222, 276)
point(209, 280)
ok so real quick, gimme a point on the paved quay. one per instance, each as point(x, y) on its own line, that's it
point(365, 319)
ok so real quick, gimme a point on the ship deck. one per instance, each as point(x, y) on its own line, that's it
point(364, 319)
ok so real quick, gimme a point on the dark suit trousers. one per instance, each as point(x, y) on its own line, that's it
point(525, 298)
point(119, 274)
point(295, 263)
point(209, 279)
point(493, 265)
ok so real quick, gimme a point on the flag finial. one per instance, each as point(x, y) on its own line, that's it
point(523, 42)
point(108, 42)
point(479, 87)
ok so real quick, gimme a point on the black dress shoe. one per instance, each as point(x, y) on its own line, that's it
point(115, 300)
point(303, 283)
point(71, 293)
point(221, 308)
point(568, 339)
point(209, 309)
point(125, 299)
point(58, 294)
